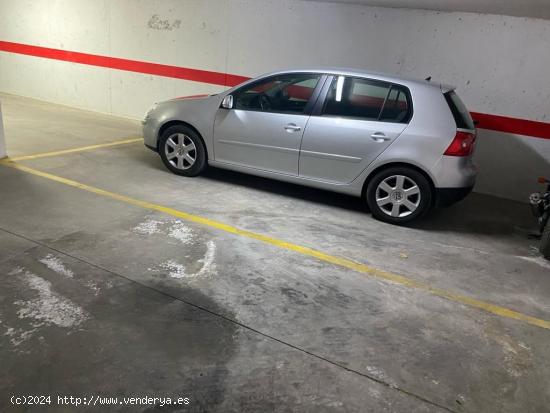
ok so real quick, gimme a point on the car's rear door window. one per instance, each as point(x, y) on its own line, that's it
point(367, 99)
point(279, 94)
point(397, 107)
point(355, 98)
point(461, 115)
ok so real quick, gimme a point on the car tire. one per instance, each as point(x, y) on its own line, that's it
point(182, 151)
point(399, 195)
point(545, 242)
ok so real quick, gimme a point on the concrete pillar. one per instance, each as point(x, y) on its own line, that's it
point(3, 153)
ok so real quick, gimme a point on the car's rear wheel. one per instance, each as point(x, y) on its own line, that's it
point(182, 151)
point(399, 195)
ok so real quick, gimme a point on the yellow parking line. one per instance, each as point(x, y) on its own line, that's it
point(80, 149)
point(341, 262)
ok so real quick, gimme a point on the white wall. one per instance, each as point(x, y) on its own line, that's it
point(499, 64)
point(2, 137)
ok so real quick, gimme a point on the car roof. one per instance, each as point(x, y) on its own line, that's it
point(344, 71)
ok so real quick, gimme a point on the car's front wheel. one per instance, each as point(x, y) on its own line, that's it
point(182, 151)
point(399, 195)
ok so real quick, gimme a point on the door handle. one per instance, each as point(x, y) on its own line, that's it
point(379, 137)
point(292, 127)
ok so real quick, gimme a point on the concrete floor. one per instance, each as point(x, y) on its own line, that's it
point(104, 298)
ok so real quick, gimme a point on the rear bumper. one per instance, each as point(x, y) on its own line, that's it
point(454, 172)
point(449, 196)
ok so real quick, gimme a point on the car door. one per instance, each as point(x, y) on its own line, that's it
point(358, 120)
point(264, 128)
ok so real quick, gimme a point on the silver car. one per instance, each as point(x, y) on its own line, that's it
point(402, 145)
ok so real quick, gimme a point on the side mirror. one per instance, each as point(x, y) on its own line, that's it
point(227, 102)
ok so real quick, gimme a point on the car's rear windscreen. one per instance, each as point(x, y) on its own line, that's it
point(460, 113)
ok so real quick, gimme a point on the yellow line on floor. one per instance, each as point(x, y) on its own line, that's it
point(338, 261)
point(74, 150)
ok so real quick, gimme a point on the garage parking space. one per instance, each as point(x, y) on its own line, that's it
point(108, 294)
point(235, 206)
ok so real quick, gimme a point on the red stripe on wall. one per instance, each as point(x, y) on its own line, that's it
point(512, 125)
point(485, 121)
point(196, 75)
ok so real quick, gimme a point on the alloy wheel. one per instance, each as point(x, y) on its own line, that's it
point(180, 151)
point(398, 196)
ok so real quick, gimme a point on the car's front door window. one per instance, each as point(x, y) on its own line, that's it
point(278, 94)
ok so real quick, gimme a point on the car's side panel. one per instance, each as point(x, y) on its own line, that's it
point(199, 113)
point(345, 189)
point(422, 144)
point(262, 140)
point(339, 149)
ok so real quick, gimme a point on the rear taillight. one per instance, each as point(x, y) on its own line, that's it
point(462, 144)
